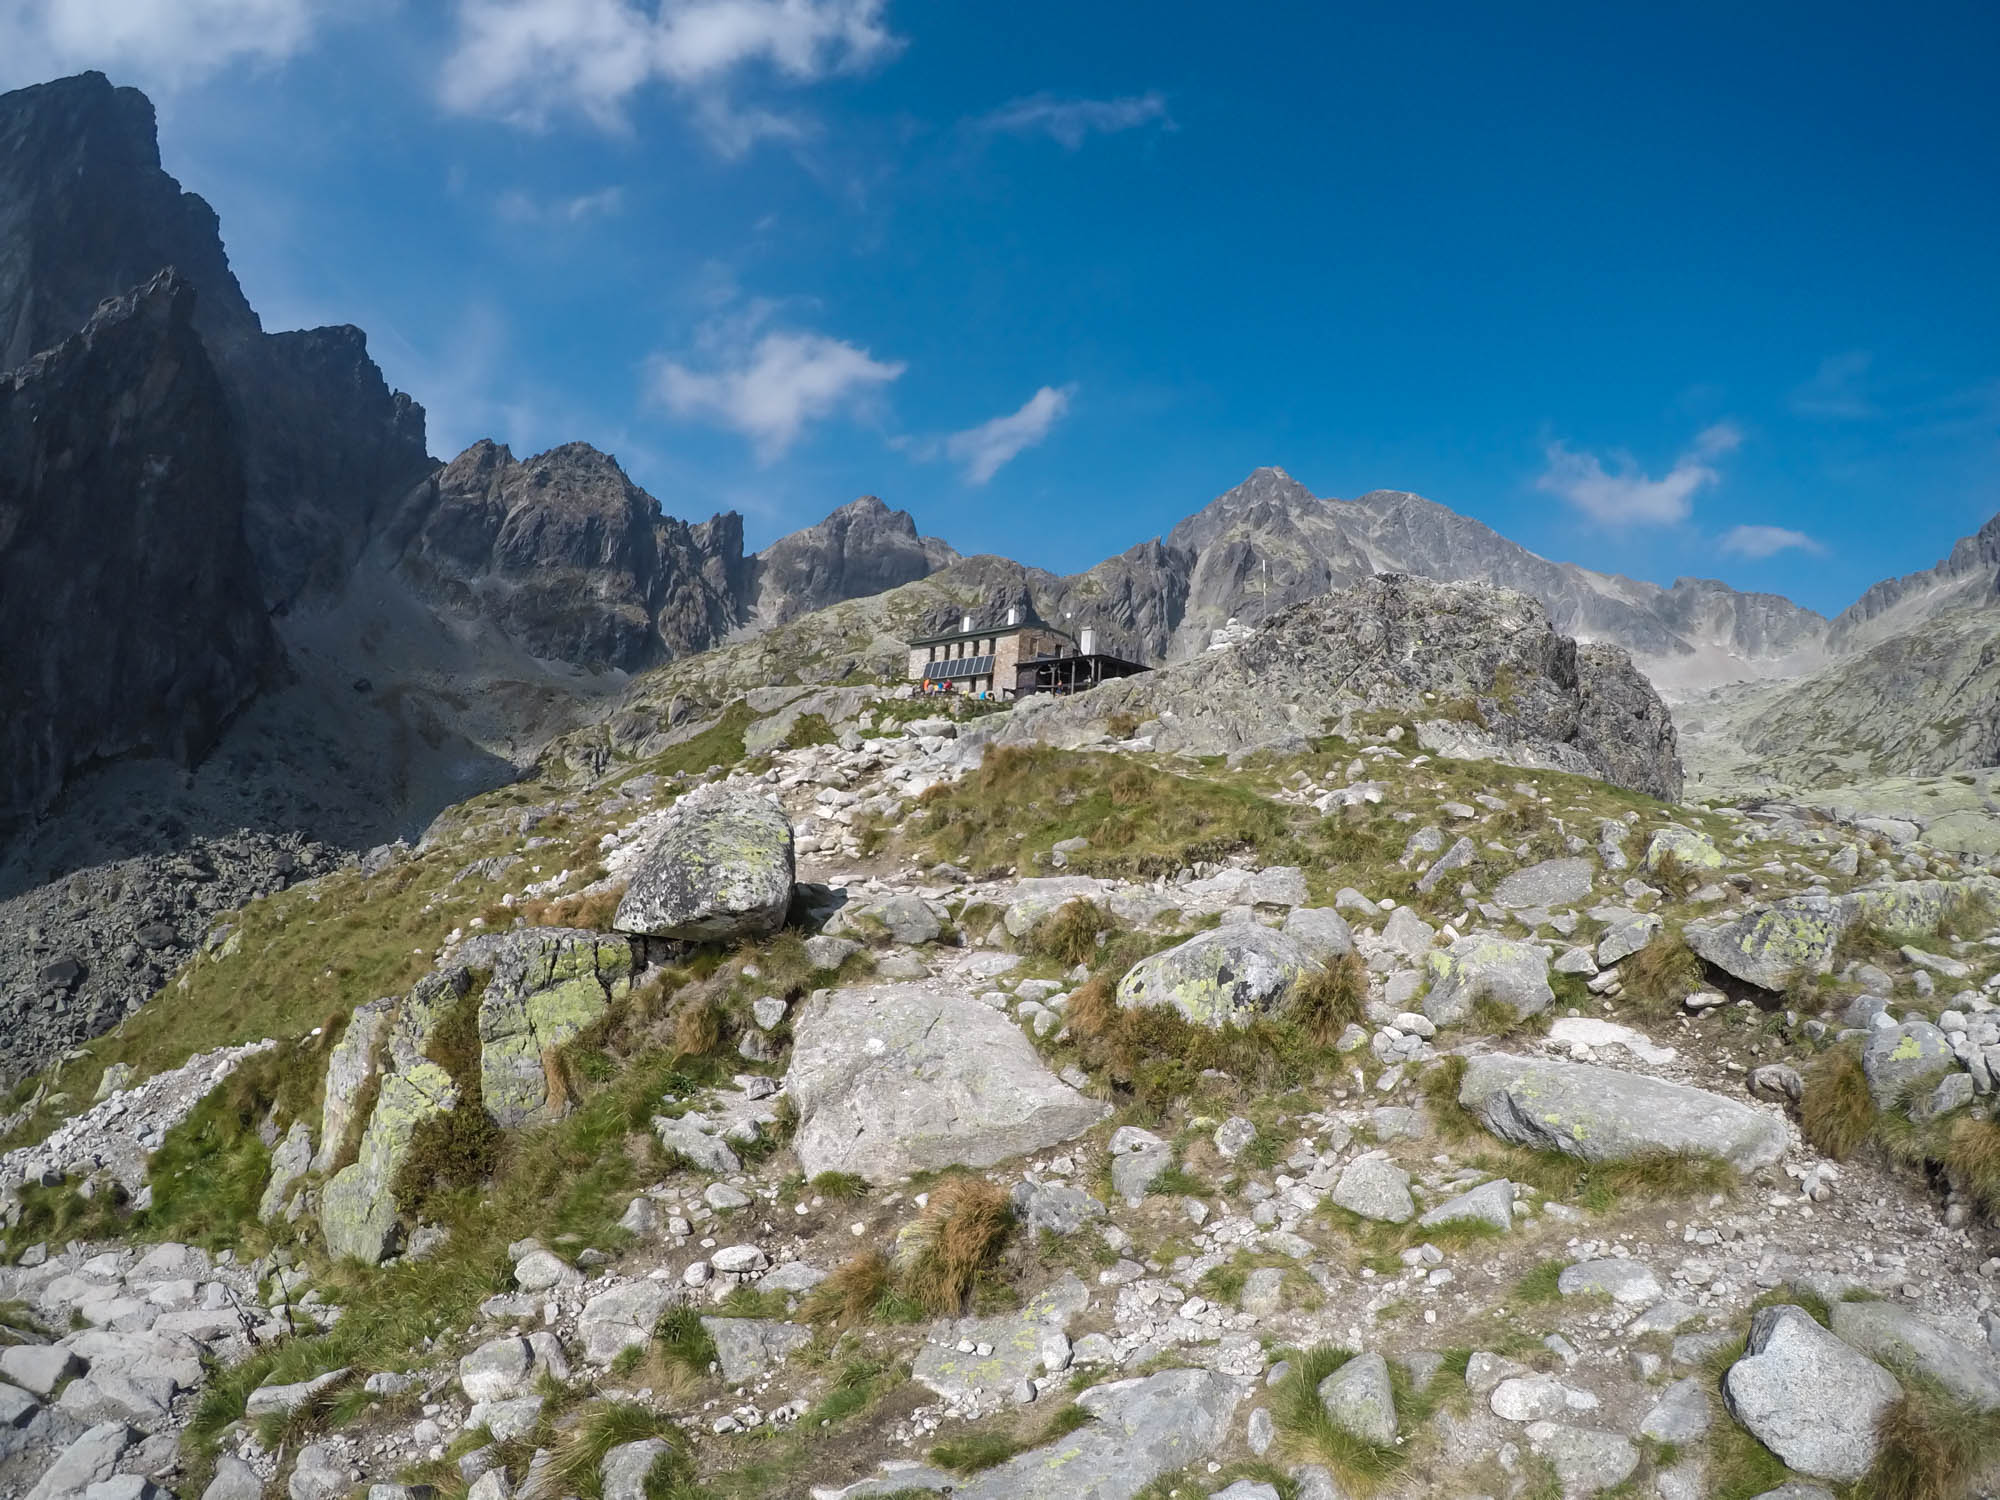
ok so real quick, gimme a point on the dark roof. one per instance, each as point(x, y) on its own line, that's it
point(1000, 628)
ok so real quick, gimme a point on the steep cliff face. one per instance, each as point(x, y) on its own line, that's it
point(1968, 578)
point(862, 548)
point(570, 558)
point(86, 212)
point(128, 598)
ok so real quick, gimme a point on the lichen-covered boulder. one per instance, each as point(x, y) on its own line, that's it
point(1807, 1396)
point(355, 1059)
point(1767, 947)
point(357, 1211)
point(1472, 969)
point(1898, 1058)
point(899, 1078)
point(289, 1162)
point(1227, 977)
point(719, 867)
point(547, 985)
point(1690, 850)
point(1603, 1114)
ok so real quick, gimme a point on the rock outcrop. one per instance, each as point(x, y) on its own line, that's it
point(571, 559)
point(1602, 1114)
point(1481, 669)
point(128, 597)
point(862, 548)
point(903, 1078)
point(85, 213)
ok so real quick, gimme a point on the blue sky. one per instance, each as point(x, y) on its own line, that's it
point(1691, 289)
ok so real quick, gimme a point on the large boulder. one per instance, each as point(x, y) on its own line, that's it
point(900, 1078)
point(1602, 1114)
point(1472, 969)
point(1226, 977)
point(719, 867)
point(1358, 1399)
point(548, 984)
point(1808, 1396)
point(1770, 945)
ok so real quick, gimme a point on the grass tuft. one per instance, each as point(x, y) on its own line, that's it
point(1660, 976)
point(1836, 1111)
point(1308, 1435)
point(958, 1234)
point(1068, 935)
point(1972, 1160)
point(1932, 1446)
point(1330, 999)
point(851, 1291)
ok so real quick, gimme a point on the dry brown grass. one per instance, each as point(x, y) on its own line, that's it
point(1328, 1000)
point(850, 1292)
point(1836, 1112)
point(957, 1235)
point(589, 909)
point(1932, 1446)
point(1093, 1011)
point(697, 1026)
point(1660, 976)
point(1972, 1160)
point(1068, 935)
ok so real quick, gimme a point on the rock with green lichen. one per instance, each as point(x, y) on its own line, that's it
point(1774, 944)
point(1898, 1059)
point(547, 986)
point(357, 1211)
point(1691, 850)
point(1472, 969)
point(1227, 977)
point(1603, 1114)
point(718, 868)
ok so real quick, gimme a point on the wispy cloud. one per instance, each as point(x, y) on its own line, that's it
point(518, 206)
point(1071, 122)
point(1767, 541)
point(531, 62)
point(1624, 494)
point(1838, 390)
point(769, 384)
point(986, 449)
point(162, 43)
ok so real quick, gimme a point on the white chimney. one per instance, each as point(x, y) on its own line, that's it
point(1087, 642)
point(965, 623)
point(1014, 616)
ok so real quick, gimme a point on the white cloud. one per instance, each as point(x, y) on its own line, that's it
point(169, 43)
point(1838, 390)
point(531, 61)
point(1624, 495)
point(984, 450)
point(769, 386)
point(1767, 541)
point(1072, 121)
point(517, 206)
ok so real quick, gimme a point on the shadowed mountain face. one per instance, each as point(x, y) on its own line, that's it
point(86, 213)
point(127, 595)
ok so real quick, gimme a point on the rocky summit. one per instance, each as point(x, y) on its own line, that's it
point(510, 992)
